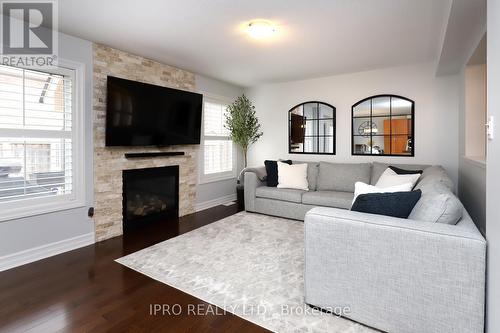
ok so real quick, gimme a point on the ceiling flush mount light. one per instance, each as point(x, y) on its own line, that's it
point(260, 29)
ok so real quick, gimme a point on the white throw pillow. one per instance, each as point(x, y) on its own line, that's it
point(292, 176)
point(362, 188)
point(390, 178)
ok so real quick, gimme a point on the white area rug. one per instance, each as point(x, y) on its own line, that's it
point(247, 264)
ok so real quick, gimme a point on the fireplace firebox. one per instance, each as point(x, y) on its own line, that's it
point(150, 195)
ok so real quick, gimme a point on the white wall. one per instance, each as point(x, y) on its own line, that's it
point(213, 192)
point(26, 233)
point(472, 166)
point(475, 110)
point(492, 171)
point(436, 113)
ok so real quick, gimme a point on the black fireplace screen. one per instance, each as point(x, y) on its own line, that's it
point(150, 194)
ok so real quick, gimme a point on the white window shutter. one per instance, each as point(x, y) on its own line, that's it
point(36, 127)
point(218, 159)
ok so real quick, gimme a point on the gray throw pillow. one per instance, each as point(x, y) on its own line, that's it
point(437, 204)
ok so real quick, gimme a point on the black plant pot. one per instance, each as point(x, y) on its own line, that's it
point(240, 196)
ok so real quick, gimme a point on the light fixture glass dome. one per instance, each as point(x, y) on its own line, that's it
point(259, 29)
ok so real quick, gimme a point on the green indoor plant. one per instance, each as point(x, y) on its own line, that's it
point(243, 125)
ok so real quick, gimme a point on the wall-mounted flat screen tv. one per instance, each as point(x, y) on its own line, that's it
point(140, 114)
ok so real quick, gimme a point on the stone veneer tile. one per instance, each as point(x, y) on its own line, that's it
point(109, 162)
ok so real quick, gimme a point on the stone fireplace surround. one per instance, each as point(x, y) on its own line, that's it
point(110, 161)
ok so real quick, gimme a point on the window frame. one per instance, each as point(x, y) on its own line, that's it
point(27, 207)
point(220, 176)
point(334, 136)
point(391, 96)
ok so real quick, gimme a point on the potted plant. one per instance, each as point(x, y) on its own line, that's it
point(244, 129)
point(243, 124)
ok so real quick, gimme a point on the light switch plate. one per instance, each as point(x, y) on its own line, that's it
point(490, 128)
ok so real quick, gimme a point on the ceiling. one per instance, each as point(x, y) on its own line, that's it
point(465, 28)
point(315, 37)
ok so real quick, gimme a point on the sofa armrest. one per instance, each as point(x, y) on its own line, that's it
point(260, 171)
point(251, 183)
point(395, 274)
point(388, 221)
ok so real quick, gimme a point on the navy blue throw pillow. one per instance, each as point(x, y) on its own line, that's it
point(397, 204)
point(405, 172)
point(272, 172)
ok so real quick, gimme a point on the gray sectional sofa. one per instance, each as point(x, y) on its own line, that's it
point(330, 185)
point(396, 275)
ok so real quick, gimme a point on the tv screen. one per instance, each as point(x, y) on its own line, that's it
point(140, 114)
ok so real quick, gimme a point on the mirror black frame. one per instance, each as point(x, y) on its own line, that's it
point(412, 137)
point(334, 136)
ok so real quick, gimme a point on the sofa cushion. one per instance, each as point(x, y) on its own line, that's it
point(283, 194)
point(362, 188)
point(328, 199)
point(341, 177)
point(437, 204)
point(292, 176)
point(400, 171)
point(272, 171)
point(435, 174)
point(396, 204)
point(390, 178)
point(379, 168)
point(312, 174)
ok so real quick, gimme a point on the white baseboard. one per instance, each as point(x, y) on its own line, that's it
point(45, 251)
point(214, 202)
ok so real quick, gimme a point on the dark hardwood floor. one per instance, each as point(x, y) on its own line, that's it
point(86, 291)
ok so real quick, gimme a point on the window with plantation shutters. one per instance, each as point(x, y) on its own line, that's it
point(36, 137)
point(218, 152)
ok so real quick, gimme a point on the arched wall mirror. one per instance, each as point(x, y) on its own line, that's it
point(383, 125)
point(311, 129)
